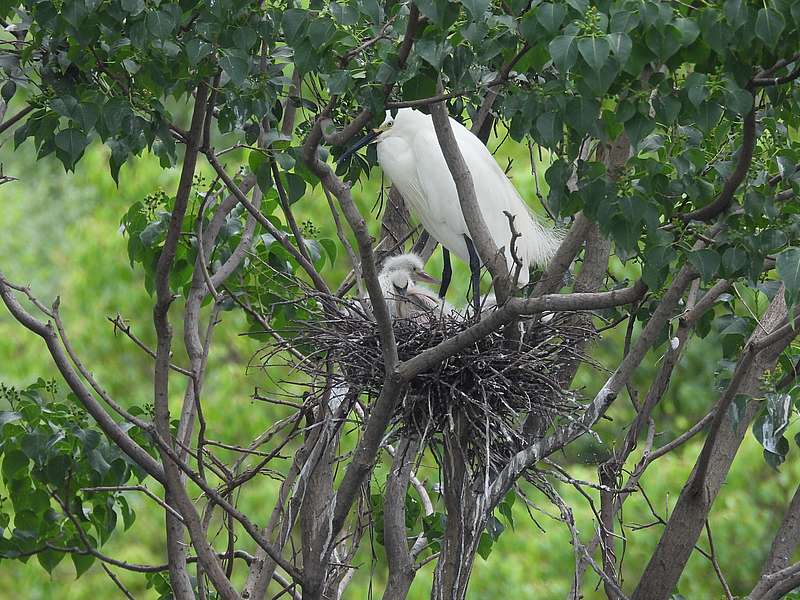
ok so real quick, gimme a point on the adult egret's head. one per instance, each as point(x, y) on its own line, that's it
point(396, 123)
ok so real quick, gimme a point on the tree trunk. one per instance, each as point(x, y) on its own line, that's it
point(465, 522)
point(687, 521)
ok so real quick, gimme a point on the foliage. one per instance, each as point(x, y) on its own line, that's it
point(702, 102)
point(52, 458)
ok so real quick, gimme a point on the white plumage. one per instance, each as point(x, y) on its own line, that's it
point(409, 154)
point(404, 298)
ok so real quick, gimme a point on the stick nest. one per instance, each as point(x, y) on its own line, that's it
point(488, 389)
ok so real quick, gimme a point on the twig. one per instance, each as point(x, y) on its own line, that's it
point(117, 582)
point(120, 324)
point(715, 563)
point(135, 488)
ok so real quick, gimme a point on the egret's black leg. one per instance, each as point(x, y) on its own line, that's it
point(475, 270)
point(447, 272)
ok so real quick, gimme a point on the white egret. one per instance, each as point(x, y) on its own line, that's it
point(409, 154)
point(404, 298)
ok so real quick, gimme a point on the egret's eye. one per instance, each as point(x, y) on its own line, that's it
point(389, 124)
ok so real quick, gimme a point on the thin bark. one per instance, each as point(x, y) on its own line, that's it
point(784, 544)
point(315, 516)
point(398, 555)
point(176, 548)
point(466, 519)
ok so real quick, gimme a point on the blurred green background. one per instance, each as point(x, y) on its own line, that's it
point(60, 233)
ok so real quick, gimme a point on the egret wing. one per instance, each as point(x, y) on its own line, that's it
point(497, 194)
point(443, 218)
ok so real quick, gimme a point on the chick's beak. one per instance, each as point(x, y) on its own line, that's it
point(423, 276)
point(366, 140)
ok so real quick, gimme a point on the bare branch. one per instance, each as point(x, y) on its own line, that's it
point(121, 325)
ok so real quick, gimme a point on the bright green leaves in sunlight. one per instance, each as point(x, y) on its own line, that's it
point(52, 455)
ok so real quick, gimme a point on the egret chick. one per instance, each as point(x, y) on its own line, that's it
point(404, 298)
point(409, 154)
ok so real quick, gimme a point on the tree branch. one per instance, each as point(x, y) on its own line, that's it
point(735, 179)
point(478, 231)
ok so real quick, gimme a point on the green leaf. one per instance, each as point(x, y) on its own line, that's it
point(624, 21)
point(114, 114)
point(639, 127)
point(75, 12)
point(345, 14)
point(85, 115)
point(736, 12)
point(549, 127)
point(70, 143)
point(293, 22)
point(530, 28)
point(15, 462)
point(734, 260)
point(788, 265)
point(338, 82)
point(708, 115)
point(128, 516)
point(160, 23)
point(769, 26)
point(82, 562)
point(738, 100)
point(476, 8)
point(485, 545)
point(295, 187)
point(551, 16)
point(260, 166)
point(132, 7)
point(664, 42)
point(331, 249)
point(564, 52)
point(621, 45)
point(197, 50)
point(8, 90)
point(706, 262)
point(245, 37)
point(582, 114)
point(667, 108)
point(738, 408)
point(9, 416)
point(689, 30)
point(695, 87)
point(770, 425)
point(321, 31)
point(49, 559)
point(236, 65)
point(594, 51)
point(431, 51)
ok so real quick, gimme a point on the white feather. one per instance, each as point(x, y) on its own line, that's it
point(409, 154)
